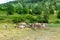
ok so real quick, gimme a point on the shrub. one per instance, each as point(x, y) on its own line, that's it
point(31, 18)
point(58, 15)
point(16, 19)
point(3, 17)
point(45, 18)
point(39, 19)
point(57, 21)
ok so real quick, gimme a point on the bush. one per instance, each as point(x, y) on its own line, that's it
point(10, 9)
point(58, 15)
point(57, 21)
point(3, 17)
point(46, 17)
point(31, 18)
point(39, 19)
point(18, 19)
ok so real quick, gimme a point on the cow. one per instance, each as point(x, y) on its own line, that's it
point(38, 25)
point(16, 25)
point(35, 25)
point(44, 25)
point(22, 25)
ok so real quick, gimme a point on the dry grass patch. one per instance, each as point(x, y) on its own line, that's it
point(29, 34)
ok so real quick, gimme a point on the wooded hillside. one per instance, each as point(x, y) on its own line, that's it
point(31, 11)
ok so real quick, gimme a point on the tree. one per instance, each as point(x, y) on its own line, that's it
point(58, 15)
point(20, 8)
point(35, 9)
point(45, 14)
point(10, 9)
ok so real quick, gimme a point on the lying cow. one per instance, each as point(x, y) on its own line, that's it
point(35, 25)
point(38, 25)
point(22, 25)
point(16, 25)
point(44, 25)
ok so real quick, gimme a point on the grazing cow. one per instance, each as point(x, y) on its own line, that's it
point(38, 25)
point(16, 25)
point(22, 25)
point(35, 25)
point(44, 25)
point(5, 26)
point(31, 25)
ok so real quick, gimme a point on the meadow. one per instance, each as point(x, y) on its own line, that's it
point(30, 11)
point(52, 32)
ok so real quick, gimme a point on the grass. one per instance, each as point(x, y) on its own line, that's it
point(54, 25)
point(3, 15)
point(29, 34)
point(53, 18)
point(50, 33)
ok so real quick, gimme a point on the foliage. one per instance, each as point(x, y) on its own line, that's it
point(58, 15)
point(10, 9)
point(31, 10)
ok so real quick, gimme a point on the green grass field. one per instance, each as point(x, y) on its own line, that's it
point(52, 32)
point(19, 11)
point(49, 33)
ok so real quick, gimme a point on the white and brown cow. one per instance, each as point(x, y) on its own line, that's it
point(44, 25)
point(22, 25)
point(35, 25)
point(16, 25)
point(38, 25)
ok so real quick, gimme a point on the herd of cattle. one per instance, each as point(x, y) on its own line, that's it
point(31, 25)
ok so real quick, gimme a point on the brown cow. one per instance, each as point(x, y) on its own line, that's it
point(38, 25)
point(44, 25)
point(35, 25)
point(16, 25)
